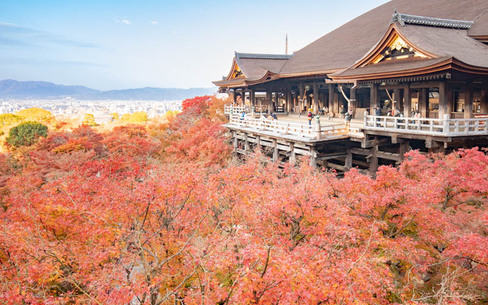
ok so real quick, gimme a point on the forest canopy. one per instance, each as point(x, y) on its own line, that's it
point(160, 213)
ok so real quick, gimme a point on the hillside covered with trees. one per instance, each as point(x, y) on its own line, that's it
point(160, 213)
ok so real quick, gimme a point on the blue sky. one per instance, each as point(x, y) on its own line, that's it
point(107, 44)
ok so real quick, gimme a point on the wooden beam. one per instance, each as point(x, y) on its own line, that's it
point(331, 156)
point(388, 155)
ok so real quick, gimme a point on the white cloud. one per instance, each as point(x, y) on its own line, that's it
point(124, 21)
point(154, 22)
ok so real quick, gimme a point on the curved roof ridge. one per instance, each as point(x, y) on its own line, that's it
point(262, 56)
point(430, 21)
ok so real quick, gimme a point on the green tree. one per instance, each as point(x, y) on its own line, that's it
point(26, 134)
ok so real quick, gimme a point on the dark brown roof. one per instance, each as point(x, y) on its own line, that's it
point(448, 42)
point(256, 67)
point(391, 68)
point(342, 47)
point(444, 43)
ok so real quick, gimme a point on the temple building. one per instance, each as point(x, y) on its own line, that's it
point(414, 72)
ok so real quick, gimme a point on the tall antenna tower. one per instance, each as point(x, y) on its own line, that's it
point(286, 45)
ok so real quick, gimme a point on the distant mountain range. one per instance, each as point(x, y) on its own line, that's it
point(42, 90)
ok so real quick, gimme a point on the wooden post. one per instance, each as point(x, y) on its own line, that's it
point(260, 105)
point(348, 162)
point(315, 97)
point(396, 101)
point(246, 143)
point(301, 98)
point(335, 100)
point(402, 150)
point(313, 157)
point(352, 98)
point(252, 98)
point(443, 107)
point(449, 98)
point(258, 144)
point(276, 101)
point(484, 101)
point(468, 101)
point(293, 157)
point(289, 99)
point(269, 95)
point(373, 98)
point(331, 98)
point(373, 161)
point(234, 96)
point(275, 150)
point(234, 138)
point(407, 101)
point(423, 102)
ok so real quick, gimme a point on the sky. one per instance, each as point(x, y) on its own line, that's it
point(108, 44)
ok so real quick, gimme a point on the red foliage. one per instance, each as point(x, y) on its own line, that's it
point(100, 218)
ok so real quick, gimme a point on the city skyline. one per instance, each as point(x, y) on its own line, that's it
point(184, 44)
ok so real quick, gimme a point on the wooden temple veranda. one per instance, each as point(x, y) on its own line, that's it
point(413, 74)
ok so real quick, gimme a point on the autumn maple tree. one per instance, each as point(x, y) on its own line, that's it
point(158, 214)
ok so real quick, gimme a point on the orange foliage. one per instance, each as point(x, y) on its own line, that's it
point(102, 218)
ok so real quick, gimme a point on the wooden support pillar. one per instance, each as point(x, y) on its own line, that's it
point(234, 140)
point(315, 97)
point(252, 98)
point(330, 100)
point(443, 107)
point(468, 101)
point(373, 160)
point(313, 157)
point(335, 99)
point(484, 101)
point(348, 162)
point(269, 102)
point(275, 104)
point(449, 98)
point(258, 144)
point(275, 150)
point(373, 98)
point(301, 97)
point(396, 101)
point(260, 105)
point(234, 96)
point(407, 101)
point(402, 150)
point(423, 102)
point(289, 100)
point(354, 102)
point(293, 157)
point(246, 143)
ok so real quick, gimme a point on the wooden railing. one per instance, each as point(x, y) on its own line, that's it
point(424, 126)
point(229, 109)
point(316, 131)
